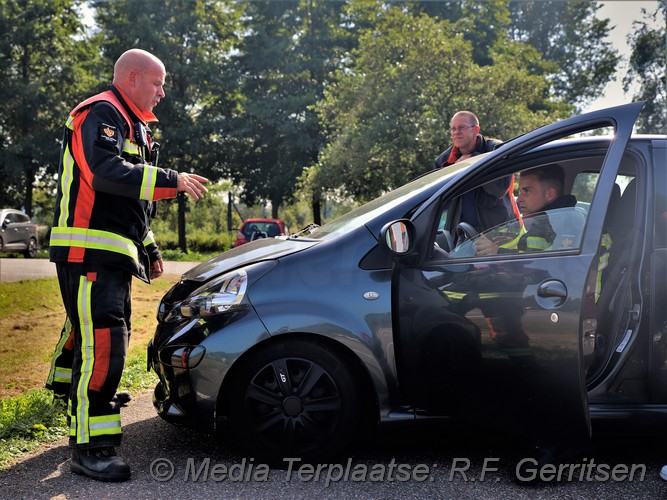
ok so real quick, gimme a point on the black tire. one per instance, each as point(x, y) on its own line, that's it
point(313, 413)
point(31, 251)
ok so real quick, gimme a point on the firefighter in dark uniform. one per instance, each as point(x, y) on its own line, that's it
point(108, 182)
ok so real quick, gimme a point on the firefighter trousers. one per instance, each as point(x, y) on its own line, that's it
point(89, 357)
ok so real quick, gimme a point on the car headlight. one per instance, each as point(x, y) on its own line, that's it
point(219, 296)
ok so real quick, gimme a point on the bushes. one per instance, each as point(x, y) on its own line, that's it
point(43, 235)
point(205, 223)
point(198, 241)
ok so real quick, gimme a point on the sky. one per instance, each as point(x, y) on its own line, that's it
point(621, 15)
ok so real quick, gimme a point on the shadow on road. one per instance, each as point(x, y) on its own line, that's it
point(172, 462)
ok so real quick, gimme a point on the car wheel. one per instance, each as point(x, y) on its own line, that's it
point(295, 399)
point(31, 251)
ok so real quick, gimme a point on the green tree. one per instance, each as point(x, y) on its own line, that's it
point(194, 38)
point(647, 68)
point(43, 65)
point(484, 23)
point(287, 55)
point(387, 115)
point(568, 33)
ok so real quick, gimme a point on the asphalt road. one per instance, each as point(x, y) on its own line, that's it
point(15, 269)
point(171, 462)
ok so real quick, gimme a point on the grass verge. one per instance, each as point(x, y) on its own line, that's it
point(31, 315)
point(28, 421)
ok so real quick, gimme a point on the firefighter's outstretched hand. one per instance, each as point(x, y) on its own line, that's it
point(192, 184)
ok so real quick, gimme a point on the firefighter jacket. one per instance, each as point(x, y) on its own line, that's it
point(108, 181)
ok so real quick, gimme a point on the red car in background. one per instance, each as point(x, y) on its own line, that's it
point(254, 229)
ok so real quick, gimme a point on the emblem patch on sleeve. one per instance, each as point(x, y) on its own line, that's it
point(108, 133)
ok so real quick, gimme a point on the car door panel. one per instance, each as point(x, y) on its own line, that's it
point(477, 333)
point(497, 340)
point(12, 232)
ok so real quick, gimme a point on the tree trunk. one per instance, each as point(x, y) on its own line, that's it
point(29, 180)
point(229, 212)
point(182, 204)
point(317, 208)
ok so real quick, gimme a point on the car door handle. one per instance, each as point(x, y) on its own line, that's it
point(551, 294)
point(552, 289)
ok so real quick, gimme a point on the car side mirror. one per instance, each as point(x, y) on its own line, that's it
point(398, 236)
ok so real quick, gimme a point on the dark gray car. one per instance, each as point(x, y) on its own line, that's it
point(17, 233)
point(294, 346)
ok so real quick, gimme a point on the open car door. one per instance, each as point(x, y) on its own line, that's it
point(498, 340)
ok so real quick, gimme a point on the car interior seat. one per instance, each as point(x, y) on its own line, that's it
point(273, 231)
point(249, 230)
point(615, 300)
point(623, 220)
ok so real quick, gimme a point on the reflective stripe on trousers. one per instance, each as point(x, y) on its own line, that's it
point(98, 304)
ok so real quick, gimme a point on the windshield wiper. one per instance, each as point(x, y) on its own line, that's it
point(306, 230)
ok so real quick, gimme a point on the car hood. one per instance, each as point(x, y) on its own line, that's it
point(373, 216)
point(250, 253)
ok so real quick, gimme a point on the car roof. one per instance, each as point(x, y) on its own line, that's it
point(11, 211)
point(261, 219)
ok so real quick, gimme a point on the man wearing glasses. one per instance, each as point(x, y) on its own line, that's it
point(490, 204)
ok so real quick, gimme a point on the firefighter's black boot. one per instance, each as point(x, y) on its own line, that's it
point(100, 463)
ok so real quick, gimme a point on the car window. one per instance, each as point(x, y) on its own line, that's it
point(16, 218)
point(254, 227)
point(269, 228)
point(661, 208)
point(584, 187)
point(556, 226)
point(367, 212)
point(559, 229)
point(584, 184)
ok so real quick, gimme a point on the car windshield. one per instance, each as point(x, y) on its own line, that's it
point(261, 227)
point(372, 209)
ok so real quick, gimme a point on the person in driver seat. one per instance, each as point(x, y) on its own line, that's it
point(540, 190)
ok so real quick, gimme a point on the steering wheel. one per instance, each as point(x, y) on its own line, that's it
point(464, 232)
